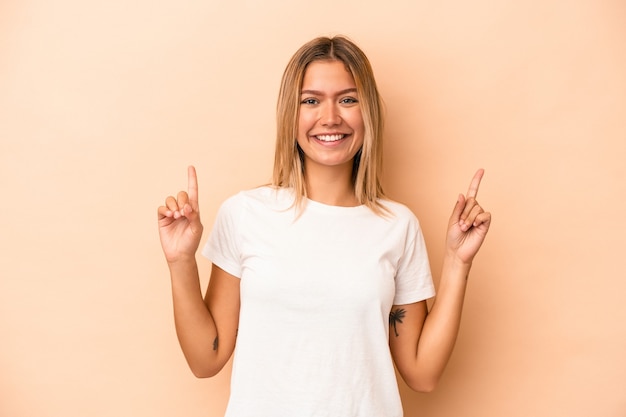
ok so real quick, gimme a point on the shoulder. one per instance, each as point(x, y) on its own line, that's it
point(398, 211)
point(265, 196)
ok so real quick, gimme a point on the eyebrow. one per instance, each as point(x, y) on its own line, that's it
point(319, 93)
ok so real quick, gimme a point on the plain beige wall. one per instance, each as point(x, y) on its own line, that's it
point(104, 104)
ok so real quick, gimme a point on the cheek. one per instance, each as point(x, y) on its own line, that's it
point(355, 120)
point(304, 123)
point(303, 130)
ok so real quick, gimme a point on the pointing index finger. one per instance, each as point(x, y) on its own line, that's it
point(473, 188)
point(192, 185)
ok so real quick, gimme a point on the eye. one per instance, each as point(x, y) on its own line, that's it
point(349, 100)
point(309, 101)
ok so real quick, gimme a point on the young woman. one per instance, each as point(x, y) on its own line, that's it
point(319, 283)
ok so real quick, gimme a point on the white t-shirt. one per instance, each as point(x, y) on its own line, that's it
point(316, 292)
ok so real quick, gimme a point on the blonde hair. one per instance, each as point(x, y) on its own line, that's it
point(288, 162)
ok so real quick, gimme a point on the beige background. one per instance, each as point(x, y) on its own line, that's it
point(104, 104)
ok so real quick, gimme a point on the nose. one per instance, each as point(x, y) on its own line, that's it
point(330, 115)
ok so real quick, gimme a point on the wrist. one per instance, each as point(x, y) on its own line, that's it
point(452, 261)
point(182, 263)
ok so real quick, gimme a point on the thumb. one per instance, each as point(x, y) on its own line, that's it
point(192, 215)
point(458, 209)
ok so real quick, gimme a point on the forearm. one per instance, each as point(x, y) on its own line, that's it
point(442, 323)
point(195, 327)
point(423, 354)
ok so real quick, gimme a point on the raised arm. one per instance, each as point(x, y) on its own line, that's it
point(421, 342)
point(206, 328)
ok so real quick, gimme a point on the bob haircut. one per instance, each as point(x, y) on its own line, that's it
point(289, 161)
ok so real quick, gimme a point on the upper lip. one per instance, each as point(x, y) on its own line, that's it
point(329, 134)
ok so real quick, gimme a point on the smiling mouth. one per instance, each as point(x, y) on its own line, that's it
point(329, 138)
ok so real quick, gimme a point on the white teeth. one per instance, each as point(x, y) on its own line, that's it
point(329, 138)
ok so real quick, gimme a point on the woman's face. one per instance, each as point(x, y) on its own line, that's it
point(330, 125)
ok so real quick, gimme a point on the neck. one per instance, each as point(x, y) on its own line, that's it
point(331, 185)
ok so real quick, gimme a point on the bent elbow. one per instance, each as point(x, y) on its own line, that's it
point(424, 386)
point(424, 389)
point(202, 372)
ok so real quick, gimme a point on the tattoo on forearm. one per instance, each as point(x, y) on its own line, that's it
point(396, 317)
point(215, 343)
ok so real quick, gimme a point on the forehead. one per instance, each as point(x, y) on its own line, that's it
point(322, 75)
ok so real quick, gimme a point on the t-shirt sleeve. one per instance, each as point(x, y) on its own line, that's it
point(222, 247)
point(414, 280)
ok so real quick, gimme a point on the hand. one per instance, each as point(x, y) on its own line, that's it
point(180, 228)
point(468, 224)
